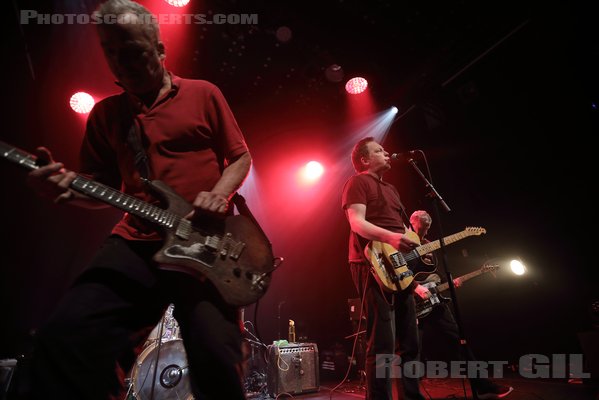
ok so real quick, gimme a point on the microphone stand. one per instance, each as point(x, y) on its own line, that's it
point(279, 319)
point(438, 200)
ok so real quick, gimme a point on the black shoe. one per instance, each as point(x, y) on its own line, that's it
point(493, 391)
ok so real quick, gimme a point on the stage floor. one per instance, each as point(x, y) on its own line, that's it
point(524, 389)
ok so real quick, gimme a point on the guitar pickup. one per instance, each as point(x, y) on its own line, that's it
point(212, 242)
point(184, 229)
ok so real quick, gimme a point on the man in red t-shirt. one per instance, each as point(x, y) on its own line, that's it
point(193, 144)
point(374, 211)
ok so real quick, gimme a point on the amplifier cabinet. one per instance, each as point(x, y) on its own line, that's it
point(293, 369)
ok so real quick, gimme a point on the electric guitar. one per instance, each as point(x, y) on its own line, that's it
point(424, 307)
point(390, 267)
point(230, 252)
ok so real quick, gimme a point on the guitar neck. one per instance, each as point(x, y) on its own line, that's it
point(125, 202)
point(463, 278)
point(99, 191)
point(436, 244)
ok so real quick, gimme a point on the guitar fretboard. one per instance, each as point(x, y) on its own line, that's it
point(99, 191)
point(463, 278)
point(125, 202)
point(436, 244)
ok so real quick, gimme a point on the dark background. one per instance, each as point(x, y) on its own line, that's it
point(501, 97)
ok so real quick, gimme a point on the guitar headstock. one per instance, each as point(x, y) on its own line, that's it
point(475, 230)
point(489, 267)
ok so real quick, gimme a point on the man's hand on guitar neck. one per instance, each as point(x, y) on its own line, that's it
point(401, 242)
point(51, 179)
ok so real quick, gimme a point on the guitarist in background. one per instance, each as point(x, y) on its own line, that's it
point(194, 145)
point(373, 209)
point(442, 322)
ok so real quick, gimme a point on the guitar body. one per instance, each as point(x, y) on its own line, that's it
point(425, 307)
point(388, 267)
point(231, 252)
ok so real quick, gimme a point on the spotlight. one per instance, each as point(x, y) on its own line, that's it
point(312, 171)
point(283, 34)
point(356, 85)
point(334, 73)
point(82, 102)
point(394, 110)
point(517, 267)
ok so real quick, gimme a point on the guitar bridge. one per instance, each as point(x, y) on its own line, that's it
point(236, 250)
point(231, 247)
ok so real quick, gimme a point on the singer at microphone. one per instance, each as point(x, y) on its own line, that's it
point(401, 156)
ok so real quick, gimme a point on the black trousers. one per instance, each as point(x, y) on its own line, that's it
point(441, 325)
point(391, 328)
point(98, 322)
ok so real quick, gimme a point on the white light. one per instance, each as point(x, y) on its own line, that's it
point(177, 3)
point(312, 171)
point(394, 110)
point(517, 267)
point(82, 102)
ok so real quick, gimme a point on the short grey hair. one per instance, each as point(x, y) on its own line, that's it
point(422, 216)
point(120, 7)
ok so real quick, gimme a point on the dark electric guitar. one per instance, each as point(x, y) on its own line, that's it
point(424, 307)
point(231, 252)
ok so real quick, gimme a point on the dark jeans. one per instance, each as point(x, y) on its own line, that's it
point(98, 323)
point(390, 329)
point(444, 327)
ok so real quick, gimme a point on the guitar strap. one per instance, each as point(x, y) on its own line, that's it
point(140, 158)
point(134, 139)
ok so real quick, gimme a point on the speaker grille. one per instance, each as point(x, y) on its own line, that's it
point(293, 369)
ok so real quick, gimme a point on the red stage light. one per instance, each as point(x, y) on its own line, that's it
point(82, 102)
point(356, 85)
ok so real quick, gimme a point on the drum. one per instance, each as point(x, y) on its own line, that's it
point(166, 369)
point(170, 328)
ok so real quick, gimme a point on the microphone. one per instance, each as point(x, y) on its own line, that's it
point(401, 156)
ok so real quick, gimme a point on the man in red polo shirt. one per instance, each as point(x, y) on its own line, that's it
point(193, 144)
